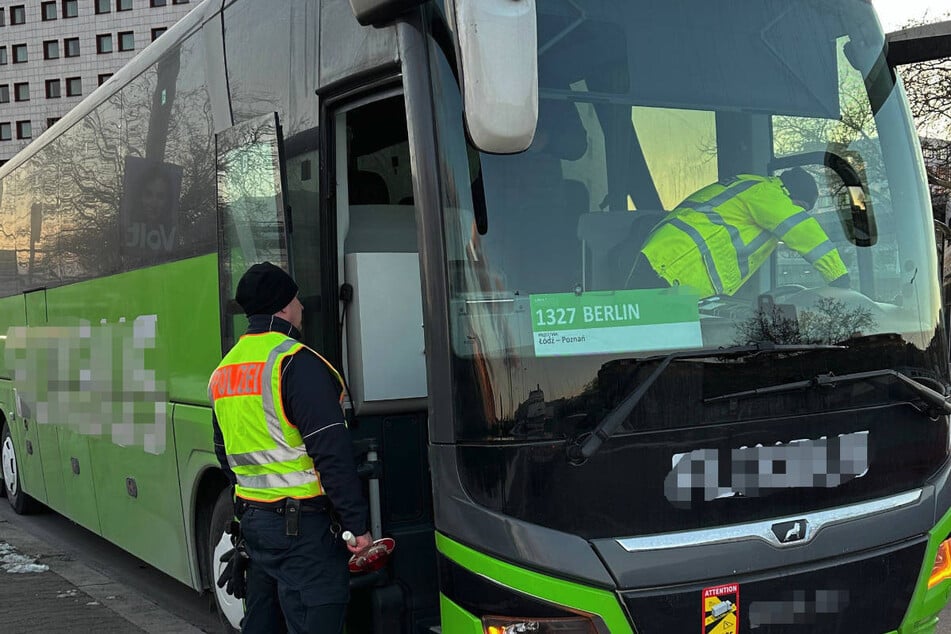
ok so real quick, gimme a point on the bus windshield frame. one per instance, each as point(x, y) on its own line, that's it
point(549, 338)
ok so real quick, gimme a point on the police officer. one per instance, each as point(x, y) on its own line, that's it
point(720, 235)
point(280, 435)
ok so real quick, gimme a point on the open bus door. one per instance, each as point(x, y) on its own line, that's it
point(370, 210)
point(251, 210)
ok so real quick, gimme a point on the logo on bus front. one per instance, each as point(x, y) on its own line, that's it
point(791, 532)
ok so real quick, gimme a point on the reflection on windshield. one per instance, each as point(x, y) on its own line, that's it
point(829, 321)
point(733, 184)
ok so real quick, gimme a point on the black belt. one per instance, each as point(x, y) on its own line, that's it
point(310, 505)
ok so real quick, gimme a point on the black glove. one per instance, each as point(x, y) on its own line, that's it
point(234, 577)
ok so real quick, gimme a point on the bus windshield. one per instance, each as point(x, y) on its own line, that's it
point(577, 257)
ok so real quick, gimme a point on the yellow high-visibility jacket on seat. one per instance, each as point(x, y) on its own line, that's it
point(720, 235)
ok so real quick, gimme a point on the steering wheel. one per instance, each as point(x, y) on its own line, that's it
point(784, 290)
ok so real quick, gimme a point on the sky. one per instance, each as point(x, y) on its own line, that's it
point(894, 14)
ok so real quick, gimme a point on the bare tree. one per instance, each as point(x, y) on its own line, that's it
point(829, 321)
point(928, 85)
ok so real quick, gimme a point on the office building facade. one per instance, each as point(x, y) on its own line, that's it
point(55, 52)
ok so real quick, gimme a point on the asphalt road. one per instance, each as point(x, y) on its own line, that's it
point(170, 595)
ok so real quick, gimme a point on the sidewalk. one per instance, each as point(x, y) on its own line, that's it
point(42, 590)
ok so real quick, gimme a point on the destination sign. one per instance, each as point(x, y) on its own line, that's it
point(614, 321)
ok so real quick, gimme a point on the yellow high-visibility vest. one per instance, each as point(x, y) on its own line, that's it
point(717, 238)
point(265, 451)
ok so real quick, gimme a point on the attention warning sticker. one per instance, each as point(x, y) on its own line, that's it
point(721, 609)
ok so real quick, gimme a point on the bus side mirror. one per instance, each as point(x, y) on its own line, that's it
point(498, 68)
point(942, 238)
point(863, 230)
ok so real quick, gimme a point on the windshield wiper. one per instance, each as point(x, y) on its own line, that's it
point(936, 400)
point(585, 446)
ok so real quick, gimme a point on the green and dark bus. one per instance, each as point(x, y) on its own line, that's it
point(461, 188)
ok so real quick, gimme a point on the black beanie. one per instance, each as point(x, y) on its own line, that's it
point(801, 186)
point(265, 289)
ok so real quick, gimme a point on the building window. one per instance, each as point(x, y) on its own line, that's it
point(21, 91)
point(24, 130)
point(18, 14)
point(4, 93)
point(19, 53)
point(74, 86)
point(1, 16)
point(179, 1)
point(70, 8)
point(158, 31)
point(103, 6)
point(157, 3)
point(48, 10)
point(50, 121)
point(52, 89)
point(104, 43)
point(71, 45)
point(3, 55)
point(51, 49)
point(104, 77)
point(123, 5)
point(126, 41)
point(6, 132)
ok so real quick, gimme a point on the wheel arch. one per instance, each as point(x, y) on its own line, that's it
point(209, 485)
point(3, 424)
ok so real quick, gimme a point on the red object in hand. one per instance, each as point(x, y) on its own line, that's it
point(374, 557)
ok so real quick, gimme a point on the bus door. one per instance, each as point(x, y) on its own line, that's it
point(43, 477)
point(373, 215)
point(66, 473)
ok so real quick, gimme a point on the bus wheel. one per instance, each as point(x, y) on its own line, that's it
point(20, 501)
point(230, 610)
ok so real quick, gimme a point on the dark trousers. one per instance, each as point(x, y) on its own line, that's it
point(298, 584)
point(643, 275)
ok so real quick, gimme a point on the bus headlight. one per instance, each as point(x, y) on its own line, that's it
point(517, 625)
point(942, 564)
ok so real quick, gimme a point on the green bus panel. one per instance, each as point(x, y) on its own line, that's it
point(927, 603)
point(29, 457)
point(139, 504)
point(456, 620)
point(194, 446)
point(182, 297)
point(99, 368)
point(29, 437)
point(53, 468)
point(25, 433)
point(12, 313)
point(559, 592)
point(78, 478)
point(125, 334)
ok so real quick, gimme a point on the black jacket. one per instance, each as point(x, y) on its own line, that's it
point(310, 395)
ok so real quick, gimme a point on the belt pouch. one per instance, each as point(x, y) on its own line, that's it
point(292, 517)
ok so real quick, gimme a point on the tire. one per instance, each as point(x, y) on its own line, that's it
point(21, 503)
point(230, 610)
